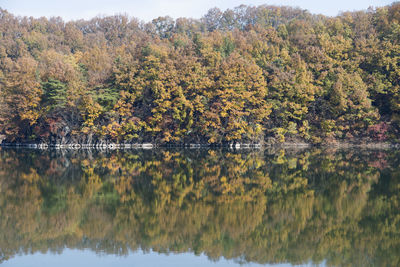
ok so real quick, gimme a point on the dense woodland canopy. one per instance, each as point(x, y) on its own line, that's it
point(338, 208)
point(247, 74)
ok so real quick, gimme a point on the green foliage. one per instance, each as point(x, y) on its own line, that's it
point(54, 94)
point(227, 47)
point(106, 97)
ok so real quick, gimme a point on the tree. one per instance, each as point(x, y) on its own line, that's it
point(21, 93)
point(54, 94)
point(237, 108)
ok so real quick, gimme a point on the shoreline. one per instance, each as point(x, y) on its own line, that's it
point(116, 146)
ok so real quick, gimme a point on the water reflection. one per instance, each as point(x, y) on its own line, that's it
point(340, 208)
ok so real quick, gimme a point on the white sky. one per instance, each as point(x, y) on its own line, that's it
point(150, 9)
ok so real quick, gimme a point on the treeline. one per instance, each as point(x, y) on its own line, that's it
point(339, 208)
point(251, 74)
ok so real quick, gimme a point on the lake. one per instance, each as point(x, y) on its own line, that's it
point(200, 207)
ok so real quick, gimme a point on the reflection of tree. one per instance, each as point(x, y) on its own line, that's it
point(338, 206)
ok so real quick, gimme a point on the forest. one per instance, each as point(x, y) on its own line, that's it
point(263, 74)
point(335, 208)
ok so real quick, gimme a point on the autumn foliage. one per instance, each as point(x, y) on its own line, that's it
point(248, 74)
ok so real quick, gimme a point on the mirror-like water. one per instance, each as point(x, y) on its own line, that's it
point(204, 207)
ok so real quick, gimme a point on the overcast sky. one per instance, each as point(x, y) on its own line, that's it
point(148, 9)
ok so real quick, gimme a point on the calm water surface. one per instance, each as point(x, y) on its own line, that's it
point(199, 208)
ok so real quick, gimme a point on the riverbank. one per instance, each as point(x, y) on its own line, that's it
point(364, 145)
point(127, 146)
